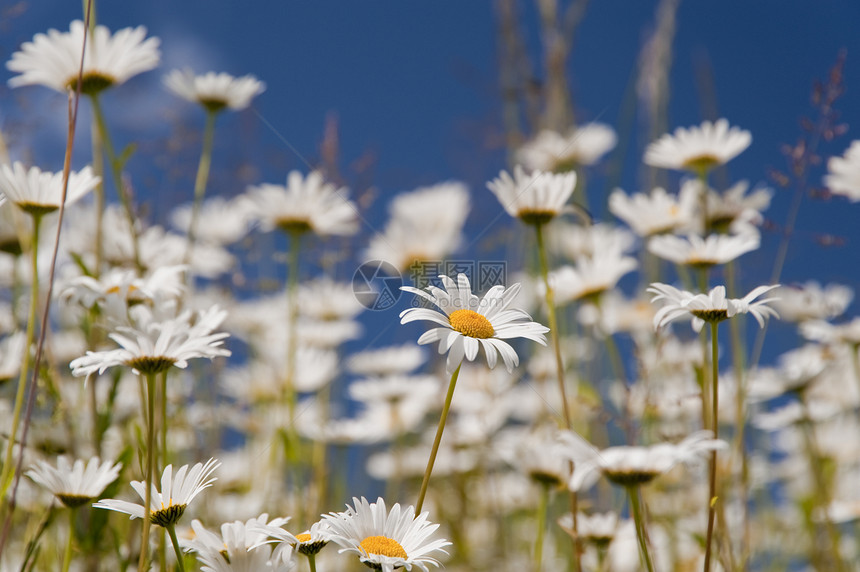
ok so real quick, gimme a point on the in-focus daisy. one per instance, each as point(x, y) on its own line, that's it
point(154, 346)
point(426, 225)
point(385, 540)
point(309, 542)
point(698, 149)
point(75, 484)
point(843, 173)
point(536, 197)
point(305, 204)
point(627, 465)
point(654, 213)
point(39, 193)
point(468, 322)
point(710, 307)
point(214, 91)
point(703, 252)
point(53, 60)
point(554, 152)
point(177, 491)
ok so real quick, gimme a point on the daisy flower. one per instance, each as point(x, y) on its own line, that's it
point(468, 323)
point(590, 278)
point(241, 546)
point(177, 491)
point(628, 466)
point(535, 198)
point(214, 91)
point(309, 542)
point(812, 301)
point(385, 540)
point(710, 307)
point(598, 529)
point(703, 252)
point(304, 204)
point(53, 60)
point(386, 361)
point(38, 193)
point(552, 151)
point(154, 346)
point(843, 173)
point(221, 221)
point(426, 225)
point(75, 484)
point(698, 149)
point(654, 213)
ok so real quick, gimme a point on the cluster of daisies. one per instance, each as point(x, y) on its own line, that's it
point(569, 368)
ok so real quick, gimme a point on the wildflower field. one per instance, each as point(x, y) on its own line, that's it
point(593, 339)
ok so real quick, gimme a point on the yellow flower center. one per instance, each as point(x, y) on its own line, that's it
point(383, 546)
point(470, 323)
point(303, 537)
point(702, 163)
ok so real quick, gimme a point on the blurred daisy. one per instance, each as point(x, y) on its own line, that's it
point(220, 221)
point(812, 301)
point(535, 198)
point(734, 209)
point(11, 351)
point(628, 466)
point(843, 173)
point(426, 226)
point(53, 60)
point(37, 192)
point(154, 346)
point(654, 213)
point(590, 278)
point(305, 204)
point(554, 152)
point(698, 149)
point(597, 529)
point(75, 484)
point(468, 322)
point(710, 307)
point(384, 540)
point(387, 361)
point(827, 333)
point(214, 91)
point(702, 253)
point(177, 491)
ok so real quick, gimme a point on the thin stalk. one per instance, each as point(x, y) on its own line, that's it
point(143, 562)
point(712, 483)
point(116, 173)
point(67, 555)
point(201, 179)
point(291, 436)
point(442, 419)
point(99, 170)
point(553, 323)
point(6, 475)
point(639, 520)
point(312, 562)
point(171, 530)
point(541, 525)
point(163, 404)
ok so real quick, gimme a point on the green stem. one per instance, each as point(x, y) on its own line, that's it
point(312, 562)
point(715, 425)
point(553, 323)
point(99, 170)
point(7, 474)
point(171, 530)
point(201, 179)
point(442, 419)
point(116, 173)
point(639, 520)
point(67, 555)
point(163, 403)
point(143, 563)
point(541, 524)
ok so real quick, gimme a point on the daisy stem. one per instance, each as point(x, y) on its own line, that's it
point(116, 164)
point(553, 323)
point(163, 403)
point(99, 191)
point(541, 524)
point(312, 562)
point(67, 555)
point(171, 530)
point(639, 520)
point(712, 485)
point(442, 419)
point(6, 475)
point(143, 563)
point(201, 179)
